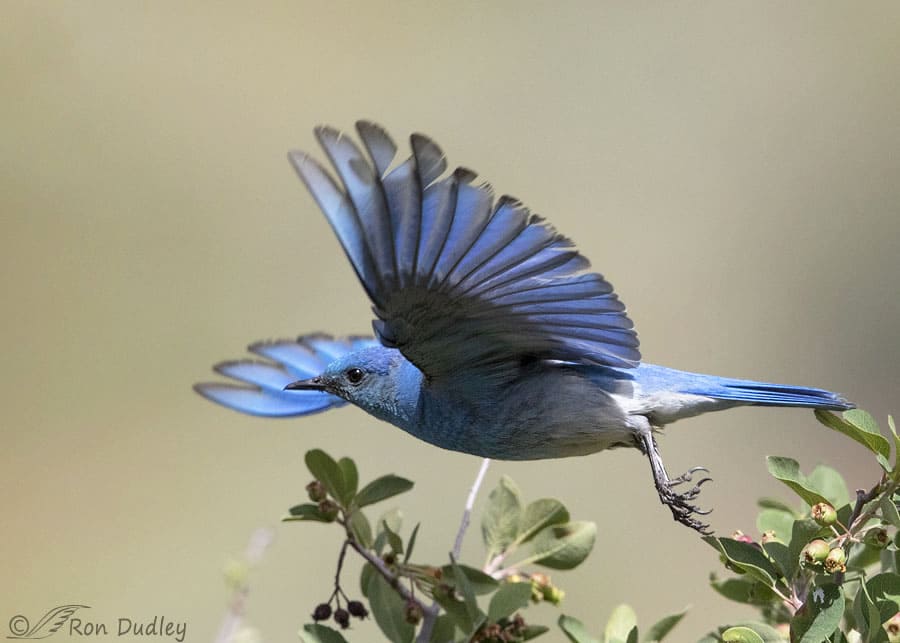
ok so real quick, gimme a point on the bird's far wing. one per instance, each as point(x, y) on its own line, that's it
point(459, 281)
point(288, 360)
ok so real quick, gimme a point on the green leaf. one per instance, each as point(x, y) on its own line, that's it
point(317, 633)
point(864, 556)
point(896, 437)
point(859, 426)
point(765, 632)
point(830, 484)
point(412, 542)
point(574, 630)
point(659, 630)
point(534, 631)
point(444, 629)
point(394, 520)
point(389, 610)
point(866, 615)
point(306, 511)
point(502, 517)
point(741, 635)
point(324, 469)
point(781, 522)
point(365, 577)
point(788, 471)
point(884, 591)
point(746, 557)
point(775, 503)
point(393, 539)
point(780, 553)
point(744, 590)
point(381, 489)
point(540, 514)
point(820, 615)
point(351, 479)
point(361, 529)
point(456, 610)
point(480, 582)
point(464, 587)
point(889, 511)
point(507, 600)
point(621, 626)
point(561, 546)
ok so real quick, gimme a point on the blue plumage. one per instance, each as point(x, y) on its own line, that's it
point(492, 335)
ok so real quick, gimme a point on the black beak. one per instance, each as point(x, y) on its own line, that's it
point(314, 384)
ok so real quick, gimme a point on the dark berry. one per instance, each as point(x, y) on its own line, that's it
point(357, 609)
point(413, 613)
point(322, 612)
point(328, 509)
point(316, 491)
point(342, 618)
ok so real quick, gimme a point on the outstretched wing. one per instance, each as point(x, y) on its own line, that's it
point(288, 360)
point(459, 281)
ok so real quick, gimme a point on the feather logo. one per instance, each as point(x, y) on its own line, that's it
point(49, 623)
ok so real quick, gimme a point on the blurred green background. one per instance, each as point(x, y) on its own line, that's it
point(732, 168)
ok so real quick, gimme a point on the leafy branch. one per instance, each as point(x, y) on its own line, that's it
point(812, 573)
point(441, 600)
point(828, 570)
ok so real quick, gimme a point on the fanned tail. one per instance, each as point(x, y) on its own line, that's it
point(766, 394)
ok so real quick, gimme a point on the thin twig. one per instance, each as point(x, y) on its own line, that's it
point(858, 519)
point(470, 502)
point(337, 574)
point(234, 617)
point(429, 612)
point(392, 579)
point(432, 612)
point(791, 602)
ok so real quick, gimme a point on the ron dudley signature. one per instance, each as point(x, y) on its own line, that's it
point(70, 620)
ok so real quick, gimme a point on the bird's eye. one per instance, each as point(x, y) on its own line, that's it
point(354, 375)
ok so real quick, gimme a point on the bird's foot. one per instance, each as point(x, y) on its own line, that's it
point(681, 504)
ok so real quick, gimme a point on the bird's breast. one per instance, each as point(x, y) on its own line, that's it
point(549, 413)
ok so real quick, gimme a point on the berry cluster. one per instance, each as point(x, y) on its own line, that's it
point(818, 553)
point(542, 587)
point(328, 508)
point(507, 630)
point(341, 616)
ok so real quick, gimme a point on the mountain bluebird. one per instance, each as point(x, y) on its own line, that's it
point(492, 336)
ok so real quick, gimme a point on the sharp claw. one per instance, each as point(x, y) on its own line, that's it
point(686, 476)
point(681, 503)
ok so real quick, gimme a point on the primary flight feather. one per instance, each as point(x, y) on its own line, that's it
point(492, 335)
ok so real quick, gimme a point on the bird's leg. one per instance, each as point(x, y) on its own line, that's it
point(679, 503)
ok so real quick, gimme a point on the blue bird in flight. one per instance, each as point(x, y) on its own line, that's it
point(492, 335)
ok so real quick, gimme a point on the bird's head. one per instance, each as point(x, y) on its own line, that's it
point(371, 378)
